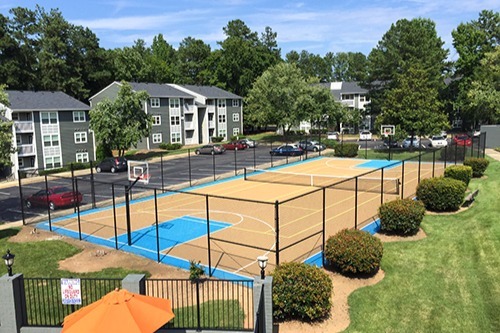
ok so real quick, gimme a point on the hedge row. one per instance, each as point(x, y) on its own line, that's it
point(478, 165)
point(346, 150)
point(459, 172)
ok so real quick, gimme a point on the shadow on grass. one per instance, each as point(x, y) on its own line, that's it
point(6, 233)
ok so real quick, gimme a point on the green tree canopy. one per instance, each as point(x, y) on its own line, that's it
point(6, 142)
point(121, 123)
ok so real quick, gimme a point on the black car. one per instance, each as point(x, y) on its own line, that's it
point(392, 143)
point(112, 164)
point(287, 150)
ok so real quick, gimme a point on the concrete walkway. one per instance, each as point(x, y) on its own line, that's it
point(493, 153)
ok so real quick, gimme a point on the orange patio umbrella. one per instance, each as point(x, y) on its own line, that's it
point(120, 311)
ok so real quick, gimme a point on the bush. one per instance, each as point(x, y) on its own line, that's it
point(170, 146)
point(196, 270)
point(329, 143)
point(301, 291)
point(441, 194)
point(354, 252)
point(401, 216)
point(217, 138)
point(346, 150)
point(459, 172)
point(453, 153)
point(102, 151)
point(478, 165)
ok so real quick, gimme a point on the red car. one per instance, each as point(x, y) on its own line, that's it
point(57, 196)
point(462, 140)
point(234, 146)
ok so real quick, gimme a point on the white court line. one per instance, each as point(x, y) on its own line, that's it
point(5, 193)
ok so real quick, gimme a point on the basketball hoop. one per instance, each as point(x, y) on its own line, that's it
point(387, 130)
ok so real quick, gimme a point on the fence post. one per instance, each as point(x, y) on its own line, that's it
point(356, 203)
point(208, 237)
point(433, 164)
point(47, 201)
point(127, 215)
point(162, 179)
point(277, 228)
point(420, 166)
point(198, 314)
point(484, 144)
point(135, 283)
point(78, 213)
point(402, 179)
point(254, 148)
point(12, 303)
point(73, 185)
point(21, 195)
point(456, 153)
point(156, 224)
point(235, 163)
point(271, 154)
point(114, 214)
point(92, 185)
point(324, 228)
point(263, 286)
point(445, 155)
point(382, 186)
point(213, 162)
point(189, 166)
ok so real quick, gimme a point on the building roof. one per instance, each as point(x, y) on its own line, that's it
point(159, 90)
point(25, 100)
point(210, 91)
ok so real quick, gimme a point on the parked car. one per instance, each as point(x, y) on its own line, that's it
point(234, 146)
point(462, 140)
point(365, 135)
point(437, 141)
point(287, 150)
point(210, 149)
point(392, 143)
point(333, 136)
point(249, 143)
point(112, 164)
point(54, 197)
point(408, 142)
point(311, 145)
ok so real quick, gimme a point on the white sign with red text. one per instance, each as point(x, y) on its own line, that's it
point(70, 291)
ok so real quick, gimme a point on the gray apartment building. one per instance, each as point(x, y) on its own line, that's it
point(51, 129)
point(184, 114)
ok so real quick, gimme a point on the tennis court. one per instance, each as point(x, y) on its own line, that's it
point(285, 213)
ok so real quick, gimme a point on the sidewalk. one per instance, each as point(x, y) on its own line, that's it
point(493, 153)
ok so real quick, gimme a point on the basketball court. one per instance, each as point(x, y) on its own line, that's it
point(283, 213)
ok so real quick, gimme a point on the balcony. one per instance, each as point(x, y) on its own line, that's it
point(26, 150)
point(23, 126)
point(189, 125)
point(188, 108)
point(348, 102)
point(211, 108)
point(211, 124)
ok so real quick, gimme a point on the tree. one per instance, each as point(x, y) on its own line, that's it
point(312, 65)
point(121, 123)
point(193, 55)
point(347, 66)
point(484, 93)
point(406, 44)
point(6, 142)
point(413, 104)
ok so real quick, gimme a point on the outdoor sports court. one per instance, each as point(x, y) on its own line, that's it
point(285, 213)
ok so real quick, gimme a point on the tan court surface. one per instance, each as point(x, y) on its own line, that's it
point(298, 219)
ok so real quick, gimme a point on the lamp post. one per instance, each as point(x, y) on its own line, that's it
point(9, 261)
point(262, 264)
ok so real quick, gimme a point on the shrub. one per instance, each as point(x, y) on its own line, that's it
point(453, 153)
point(441, 194)
point(301, 291)
point(329, 143)
point(354, 252)
point(401, 216)
point(196, 270)
point(102, 151)
point(217, 138)
point(459, 172)
point(478, 165)
point(346, 150)
point(170, 146)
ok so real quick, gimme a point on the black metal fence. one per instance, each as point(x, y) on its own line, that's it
point(200, 304)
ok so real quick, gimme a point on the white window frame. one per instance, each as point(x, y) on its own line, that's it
point(222, 118)
point(49, 117)
point(52, 162)
point(52, 138)
point(157, 138)
point(156, 120)
point(236, 117)
point(236, 131)
point(236, 103)
point(222, 132)
point(175, 137)
point(174, 103)
point(80, 137)
point(82, 157)
point(79, 116)
point(175, 120)
point(155, 102)
point(221, 103)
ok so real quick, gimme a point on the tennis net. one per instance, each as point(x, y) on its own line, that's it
point(363, 184)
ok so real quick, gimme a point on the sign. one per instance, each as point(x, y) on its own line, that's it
point(70, 291)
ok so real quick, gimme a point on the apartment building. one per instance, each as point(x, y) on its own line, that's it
point(184, 114)
point(51, 129)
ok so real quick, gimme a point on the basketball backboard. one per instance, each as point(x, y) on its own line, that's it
point(138, 169)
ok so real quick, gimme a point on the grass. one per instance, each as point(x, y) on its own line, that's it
point(447, 282)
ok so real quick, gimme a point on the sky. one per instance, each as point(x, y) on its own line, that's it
point(318, 26)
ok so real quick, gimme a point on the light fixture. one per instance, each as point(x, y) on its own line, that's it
point(262, 264)
point(9, 261)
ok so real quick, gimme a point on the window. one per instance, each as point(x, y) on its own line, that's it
point(348, 97)
point(52, 162)
point(175, 137)
point(82, 157)
point(19, 140)
point(236, 131)
point(51, 140)
point(15, 116)
point(155, 102)
point(221, 103)
point(157, 138)
point(78, 116)
point(174, 103)
point(156, 120)
point(361, 98)
point(236, 117)
point(236, 103)
point(80, 137)
point(175, 120)
point(222, 118)
point(222, 132)
point(50, 117)
point(20, 161)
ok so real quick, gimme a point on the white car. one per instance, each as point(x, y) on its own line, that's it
point(438, 141)
point(365, 135)
point(333, 135)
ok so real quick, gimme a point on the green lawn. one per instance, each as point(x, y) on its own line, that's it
point(447, 282)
